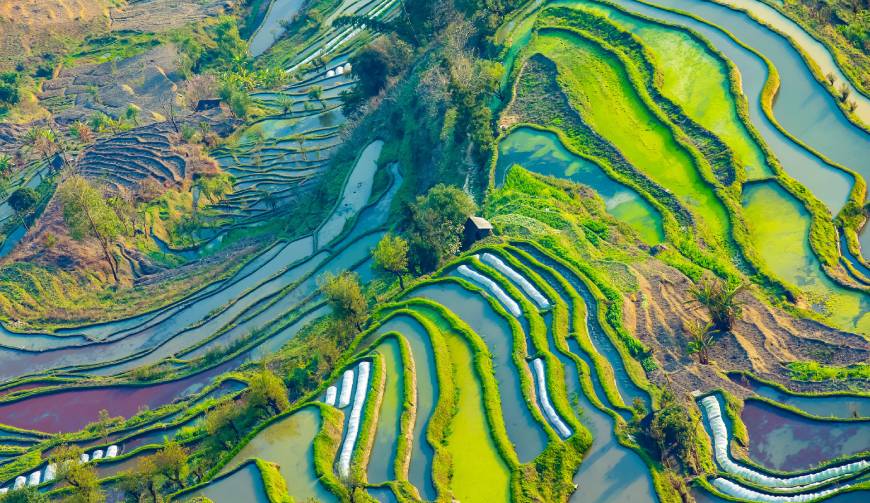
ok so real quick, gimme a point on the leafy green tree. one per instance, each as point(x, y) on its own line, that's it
point(673, 432)
point(344, 293)
point(238, 101)
point(82, 477)
point(221, 422)
point(100, 122)
point(285, 103)
point(720, 300)
point(24, 201)
point(268, 392)
point(391, 255)
point(41, 141)
point(9, 94)
point(437, 221)
point(27, 494)
point(172, 462)
point(213, 187)
point(87, 214)
point(104, 423)
point(141, 484)
point(376, 62)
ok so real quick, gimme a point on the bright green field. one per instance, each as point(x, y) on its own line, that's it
point(697, 81)
point(779, 226)
point(599, 87)
point(479, 473)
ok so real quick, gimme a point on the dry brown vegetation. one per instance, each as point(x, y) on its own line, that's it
point(762, 341)
point(33, 27)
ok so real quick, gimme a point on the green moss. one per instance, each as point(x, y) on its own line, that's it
point(815, 371)
point(276, 487)
point(326, 445)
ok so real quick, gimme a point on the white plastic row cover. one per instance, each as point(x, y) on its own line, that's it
point(517, 278)
point(339, 70)
point(331, 392)
point(353, 423)
point(737, 491)
point(549, 410)
point(346, 388)
point(493, 288)
point(35, 478)
point(805, 481)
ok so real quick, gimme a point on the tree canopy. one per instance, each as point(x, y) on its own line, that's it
point(437, 222)
point(391, 255)
point(344, 294)
point(87, 214)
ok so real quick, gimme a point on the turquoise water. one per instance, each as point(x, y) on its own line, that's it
point(543, 152)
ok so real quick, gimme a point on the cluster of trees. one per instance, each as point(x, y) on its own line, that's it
point(434, 233)
point(723, 307)
point(227, 423)
point(167, 470)
point(436, 65)
point(9, 95)
point(672, 432)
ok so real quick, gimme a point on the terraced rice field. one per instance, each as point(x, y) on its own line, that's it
point(640, 150)
point(613, 107)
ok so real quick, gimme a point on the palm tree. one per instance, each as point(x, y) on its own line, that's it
point(41, 141)
point(132, 114)
point(720, 300)
point(285, 103)
point(82, 131)
point(269, 199)
point(6, 164)
point(701, 339)
point(316, 94)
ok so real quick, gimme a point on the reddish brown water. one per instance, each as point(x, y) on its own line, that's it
point(68, 411)
point(783, 440)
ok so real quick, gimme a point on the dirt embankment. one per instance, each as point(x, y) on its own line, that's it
point(33, 27)
point(762, 341)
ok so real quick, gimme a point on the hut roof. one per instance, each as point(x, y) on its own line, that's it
point(480, 223)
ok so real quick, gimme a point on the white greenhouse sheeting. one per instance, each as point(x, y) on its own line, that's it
point(19, 482)
point(346, 388)
point(331, 393)
point(84, 458)
point(491, 285)
point(112, 451)
point(343, 35)
point(720, 449)
point(353, 423)
point(549, 410)
point(97, 454)
point(330, 74)
point(50, 472)
point(517, 278)
point(737, 491)
point(34, 478)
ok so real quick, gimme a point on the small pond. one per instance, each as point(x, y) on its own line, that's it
point(543, 152)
